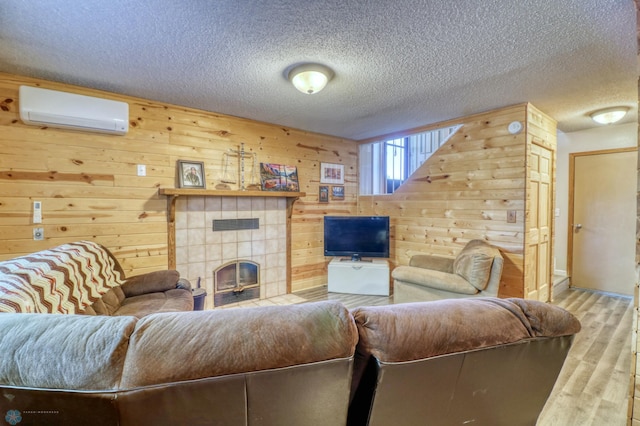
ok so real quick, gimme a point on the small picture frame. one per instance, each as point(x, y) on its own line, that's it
point(337, 192)
point(191, 174)
point(332, 173)
point(323, 194)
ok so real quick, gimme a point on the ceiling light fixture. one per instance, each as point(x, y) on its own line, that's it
point(609, 115)
point(310, 78)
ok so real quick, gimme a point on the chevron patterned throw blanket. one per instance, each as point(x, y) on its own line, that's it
point(65, 279)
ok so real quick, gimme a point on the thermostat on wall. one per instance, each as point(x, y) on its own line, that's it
point(515, 127)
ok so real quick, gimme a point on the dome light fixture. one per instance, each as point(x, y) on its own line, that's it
point(310, 78)
point(609, 115)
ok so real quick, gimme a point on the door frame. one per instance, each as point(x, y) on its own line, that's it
point(572, 159)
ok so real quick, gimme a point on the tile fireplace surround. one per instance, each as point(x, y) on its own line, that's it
point(199, 250)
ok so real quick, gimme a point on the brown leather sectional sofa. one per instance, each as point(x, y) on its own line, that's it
point(479, 361)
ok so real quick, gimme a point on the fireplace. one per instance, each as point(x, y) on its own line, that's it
point(214, 231)
point(236, 281)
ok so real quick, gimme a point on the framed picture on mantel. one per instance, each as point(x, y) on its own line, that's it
point(279, 177)
point(191, 174)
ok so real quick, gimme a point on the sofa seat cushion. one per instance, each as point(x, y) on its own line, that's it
point(175, 300)
point(433, 279)
point(474, 264)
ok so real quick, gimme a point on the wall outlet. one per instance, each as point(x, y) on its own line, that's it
point(142, 170)
point(511, 216)
point(38, 234)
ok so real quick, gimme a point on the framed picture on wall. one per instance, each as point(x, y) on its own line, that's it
point(332, 173)
point(337, 192)
point(279, 177)
point(323, 195)
point(191, 174)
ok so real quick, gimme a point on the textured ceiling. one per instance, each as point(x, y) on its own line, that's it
point(398, 64)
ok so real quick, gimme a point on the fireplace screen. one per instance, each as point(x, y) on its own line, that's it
point(236, 281)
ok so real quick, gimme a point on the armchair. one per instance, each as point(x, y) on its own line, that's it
point(475, 272)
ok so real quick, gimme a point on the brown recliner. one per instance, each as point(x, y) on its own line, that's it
point(84, 277)
point(484, 361)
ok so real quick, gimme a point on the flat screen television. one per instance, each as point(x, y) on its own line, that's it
point(356, 236)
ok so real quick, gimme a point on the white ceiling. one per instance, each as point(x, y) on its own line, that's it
point(398, 64)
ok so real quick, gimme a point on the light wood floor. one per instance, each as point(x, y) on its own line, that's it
point(593, 386)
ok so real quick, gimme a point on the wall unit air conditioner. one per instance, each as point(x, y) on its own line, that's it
point(44, 107)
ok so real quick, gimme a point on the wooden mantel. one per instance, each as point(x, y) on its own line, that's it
point(228, 193)
point(174, 193)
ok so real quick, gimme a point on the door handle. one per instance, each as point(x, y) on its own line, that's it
point(577, 227)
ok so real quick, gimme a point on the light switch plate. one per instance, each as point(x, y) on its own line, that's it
point(511, 216)
point(37, 212)
point(142, 170)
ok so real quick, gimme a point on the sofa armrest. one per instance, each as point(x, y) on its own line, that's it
point(426, 261)
point(184, 284)
point(153, 282)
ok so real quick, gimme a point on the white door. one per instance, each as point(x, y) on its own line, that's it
point(604, 221)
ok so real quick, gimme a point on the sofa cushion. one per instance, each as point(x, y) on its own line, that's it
point(433, 279)
point(175, 300)
point(474, 263)
point(63, 351)
point(412, 331)
point(169, 347)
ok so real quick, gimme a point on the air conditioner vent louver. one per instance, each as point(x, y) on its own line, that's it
point(44, 107)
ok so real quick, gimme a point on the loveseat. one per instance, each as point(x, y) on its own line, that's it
point(474, 272)
point(481, 361)
point(85, 278)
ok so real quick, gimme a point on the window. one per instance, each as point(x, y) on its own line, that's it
point(386, 165)
point(395, 163)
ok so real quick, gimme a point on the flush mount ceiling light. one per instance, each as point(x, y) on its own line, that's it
point(310, 78)
point(609, 115)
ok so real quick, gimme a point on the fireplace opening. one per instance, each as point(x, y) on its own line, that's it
point(236, 281)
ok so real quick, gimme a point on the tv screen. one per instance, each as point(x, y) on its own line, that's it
point(356, 236)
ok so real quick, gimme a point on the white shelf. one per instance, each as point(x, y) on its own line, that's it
point(370, 277)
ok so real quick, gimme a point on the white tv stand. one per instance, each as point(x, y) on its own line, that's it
point(369, 277)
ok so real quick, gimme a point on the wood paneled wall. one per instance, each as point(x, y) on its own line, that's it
point(89, 188)
point(464, 191)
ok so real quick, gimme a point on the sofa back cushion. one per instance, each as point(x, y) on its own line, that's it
point(76, 352)
point(108, 304)
point(65, 279)
point(170, 347)
point(474, 263)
